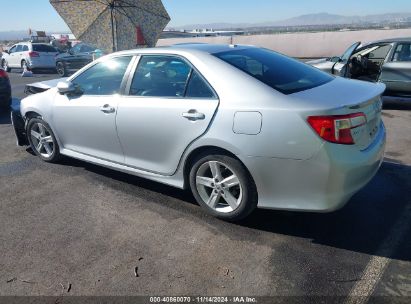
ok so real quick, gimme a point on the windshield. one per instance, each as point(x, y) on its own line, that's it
point(280, 72)
point(44, 48)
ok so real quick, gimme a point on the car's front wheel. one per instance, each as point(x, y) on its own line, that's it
point(223, 187)
point(61, 69)
point(42, 140)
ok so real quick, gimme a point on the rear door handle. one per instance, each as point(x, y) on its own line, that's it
point(107, 109)
point(193, 115)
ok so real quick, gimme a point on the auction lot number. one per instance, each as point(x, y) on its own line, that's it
point(202, 300)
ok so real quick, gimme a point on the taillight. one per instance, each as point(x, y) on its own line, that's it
point(337, 128)
point(34, 54)
point(3, 74)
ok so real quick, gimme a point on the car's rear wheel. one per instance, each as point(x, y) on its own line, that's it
point(223, 187)
point(61, 69)
point(42, 140)
point(5, 65)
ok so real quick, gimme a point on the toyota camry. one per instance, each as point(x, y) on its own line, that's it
point(241, 126)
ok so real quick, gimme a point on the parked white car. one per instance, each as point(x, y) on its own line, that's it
point(29, 55)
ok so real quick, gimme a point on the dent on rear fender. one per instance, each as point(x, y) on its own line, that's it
point(39, 103)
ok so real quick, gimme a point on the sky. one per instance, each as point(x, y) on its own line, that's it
point(40, 15)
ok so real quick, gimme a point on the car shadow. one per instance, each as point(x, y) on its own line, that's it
point(378, 213)
point(36, 72)
point(363, 225)
point(132, 180)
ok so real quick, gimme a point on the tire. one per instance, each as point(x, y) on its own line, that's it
point(223, 187)
point(61, 69)
point(5, 66)
point(42, 140)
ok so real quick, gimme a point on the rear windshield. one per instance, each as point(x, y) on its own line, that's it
point(280, 72)
point(44, 48)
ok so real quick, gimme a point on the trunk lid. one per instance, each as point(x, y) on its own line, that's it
point(343, 97)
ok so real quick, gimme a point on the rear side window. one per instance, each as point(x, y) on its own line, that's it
point(402, 52)
point(198, 88)
point(44, 48)
point(280, 72)
point(19, 48)
point(25, 48)
point(168, 76)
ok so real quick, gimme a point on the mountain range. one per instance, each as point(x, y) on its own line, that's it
point(304, 20)
point(310, 19)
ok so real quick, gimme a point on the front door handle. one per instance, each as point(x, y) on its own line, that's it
point(193, 115)
point(107, 109)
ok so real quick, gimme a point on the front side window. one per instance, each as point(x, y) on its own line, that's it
point(280, 72)
point(160, 76)
point(381, 52)
point(103, 78)
point(402, 52)
point(13, 49)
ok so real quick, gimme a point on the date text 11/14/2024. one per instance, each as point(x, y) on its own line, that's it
point(203, 299)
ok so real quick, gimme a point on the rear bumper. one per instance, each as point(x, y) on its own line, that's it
point(324, 183)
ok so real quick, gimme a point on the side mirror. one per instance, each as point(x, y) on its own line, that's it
point(7, 52)
point(335, 59)
point(67, 87)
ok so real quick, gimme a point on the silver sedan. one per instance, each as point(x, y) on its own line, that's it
point(242, 127)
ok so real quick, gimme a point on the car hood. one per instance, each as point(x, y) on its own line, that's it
point(42, 86)
point(316, 61)
point(48, 84)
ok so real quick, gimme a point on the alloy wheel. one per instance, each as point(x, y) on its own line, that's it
point(60, 69)
point(42, 140)
point(219, 187)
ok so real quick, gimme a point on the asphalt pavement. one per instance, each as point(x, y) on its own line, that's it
point(107, 233)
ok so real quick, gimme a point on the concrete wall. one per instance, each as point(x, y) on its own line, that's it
point(301, 45)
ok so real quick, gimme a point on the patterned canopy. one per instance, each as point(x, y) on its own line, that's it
point(114, 25)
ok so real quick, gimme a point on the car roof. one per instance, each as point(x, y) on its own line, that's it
point(390, 40)
point(189, 47)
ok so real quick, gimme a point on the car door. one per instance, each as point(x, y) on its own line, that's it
point(86, 122)
point(15, 54)
point(169, 106)
point(77, 58)
point(396, 72)
point(341, 66)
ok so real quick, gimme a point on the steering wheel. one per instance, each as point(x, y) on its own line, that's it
point(363, 62)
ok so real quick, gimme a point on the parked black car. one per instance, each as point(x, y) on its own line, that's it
point(75, 58)
point(5, 90)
